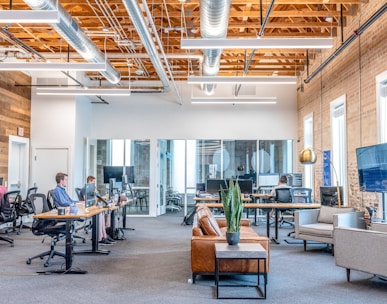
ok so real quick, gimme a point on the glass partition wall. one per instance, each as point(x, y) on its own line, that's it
point(184, 165)
point(126, 153)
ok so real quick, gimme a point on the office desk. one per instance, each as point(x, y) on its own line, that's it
point(275, 206)
point(69, 218)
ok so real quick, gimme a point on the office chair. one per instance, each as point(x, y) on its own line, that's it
point(54, 229)
point(282, 195)
point(25, 209)
point(7, 213)
point(51, 204)
point(12, 199)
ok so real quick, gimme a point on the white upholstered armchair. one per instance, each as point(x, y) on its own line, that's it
point(362, 250)
point(318, 224)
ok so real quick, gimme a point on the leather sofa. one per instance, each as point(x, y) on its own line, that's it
point(208, 230)
point(362, 250)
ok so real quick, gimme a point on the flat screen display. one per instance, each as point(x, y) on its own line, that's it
point(112, 172)
point(89, 195)
point(372, 168)
point(213, 185)
point(246, 186)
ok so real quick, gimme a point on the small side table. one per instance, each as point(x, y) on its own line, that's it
point(243, 251)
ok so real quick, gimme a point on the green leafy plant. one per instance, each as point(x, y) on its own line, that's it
point(232, 206)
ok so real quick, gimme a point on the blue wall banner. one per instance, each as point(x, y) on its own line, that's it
point(327, 167)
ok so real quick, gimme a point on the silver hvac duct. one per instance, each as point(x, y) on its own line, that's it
point(142, 29)
point(214, 16)
point(76, 37)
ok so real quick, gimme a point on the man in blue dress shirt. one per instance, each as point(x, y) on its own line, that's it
point(59, 194)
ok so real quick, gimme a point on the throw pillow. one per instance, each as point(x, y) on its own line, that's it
point(209, 225)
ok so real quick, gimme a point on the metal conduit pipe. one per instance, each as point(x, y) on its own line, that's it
point(139, 23)
point(214, 15)
point(346, 43)
point(76, 37)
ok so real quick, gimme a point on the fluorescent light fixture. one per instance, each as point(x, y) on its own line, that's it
point(257, 43)
point(48, 66)
point(234, 100)
point(244, 80)
point(84, 91)
point(29, 16)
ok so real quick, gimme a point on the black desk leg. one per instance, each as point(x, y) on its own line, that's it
point(275, 239)
point(268, 224)
point(94, 239)
point(69, 253)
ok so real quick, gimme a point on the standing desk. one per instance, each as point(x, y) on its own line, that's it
point(69, 219)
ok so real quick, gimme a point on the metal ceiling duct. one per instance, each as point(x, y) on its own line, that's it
point(76, 37)
point(214, 15)
point(142, 29)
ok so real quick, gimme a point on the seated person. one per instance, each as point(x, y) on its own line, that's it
point(282, 183)
point(104, 218)
point(59, 194)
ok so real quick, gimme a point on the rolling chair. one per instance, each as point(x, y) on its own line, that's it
point(25, 209)
point(8, 213)
point(52, 205)
point(13, 200)
point(52, 228)
point(282, 195)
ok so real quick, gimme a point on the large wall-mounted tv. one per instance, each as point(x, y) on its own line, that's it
point(372, 168)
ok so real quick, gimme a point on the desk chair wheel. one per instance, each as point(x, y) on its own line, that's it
point(84, 241)
point(28, 262)
point(46, 264)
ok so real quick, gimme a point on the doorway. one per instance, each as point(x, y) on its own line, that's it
point(18, 164)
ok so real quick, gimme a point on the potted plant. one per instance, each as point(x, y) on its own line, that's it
point(233, 209)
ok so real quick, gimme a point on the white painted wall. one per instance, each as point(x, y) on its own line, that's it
point(68, 121)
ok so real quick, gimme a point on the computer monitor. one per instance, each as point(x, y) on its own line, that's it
point(201, 187)
point(89, 195)
point(112, 172)
point(268, 179)
point(213, 185)
point(246, 186)
point(112, 186)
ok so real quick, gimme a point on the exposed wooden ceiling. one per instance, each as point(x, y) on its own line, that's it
point(109, 26)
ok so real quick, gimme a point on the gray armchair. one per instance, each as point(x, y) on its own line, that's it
point(362, 250)
point(318, 224)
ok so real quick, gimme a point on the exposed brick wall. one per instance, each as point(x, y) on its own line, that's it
point(351, 73)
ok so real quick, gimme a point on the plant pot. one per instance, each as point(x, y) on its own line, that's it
point(232, 238)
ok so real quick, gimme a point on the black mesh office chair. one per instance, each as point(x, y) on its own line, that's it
point(282, 195)
point(300, 195)
point(8, 213)
point(54, 229)
point(52, 205)
point(25, 209)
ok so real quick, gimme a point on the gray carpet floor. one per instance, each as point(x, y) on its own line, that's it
point(152, 265)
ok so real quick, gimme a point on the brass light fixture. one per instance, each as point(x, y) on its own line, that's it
point(308, 156)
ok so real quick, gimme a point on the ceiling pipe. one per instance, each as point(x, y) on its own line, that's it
point(214, 17)
point(142, 29)
point(76, 37)
point(356, 34)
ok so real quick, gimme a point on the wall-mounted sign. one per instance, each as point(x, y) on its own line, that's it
point(327, 167)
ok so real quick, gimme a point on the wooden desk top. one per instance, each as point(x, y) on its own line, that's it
point(82, 212)
point(268, 205)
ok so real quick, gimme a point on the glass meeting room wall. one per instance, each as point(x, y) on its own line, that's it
point(133, 154)
point(193, 162)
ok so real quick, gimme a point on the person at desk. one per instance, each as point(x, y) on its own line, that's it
point(282, 183)
point(104, 219)
point(59, 194)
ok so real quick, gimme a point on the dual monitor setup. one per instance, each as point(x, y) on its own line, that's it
point(116, 177)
